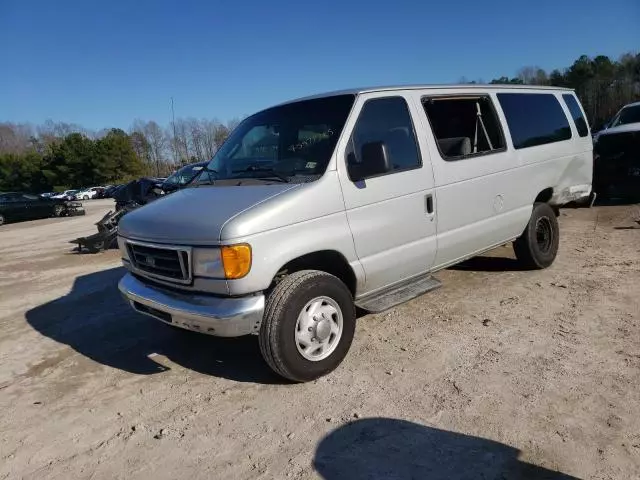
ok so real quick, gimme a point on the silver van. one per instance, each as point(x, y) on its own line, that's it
point(354, 199)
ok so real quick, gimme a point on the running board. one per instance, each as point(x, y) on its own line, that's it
point(397, 294)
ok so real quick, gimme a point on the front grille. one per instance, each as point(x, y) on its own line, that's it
point(171, 264)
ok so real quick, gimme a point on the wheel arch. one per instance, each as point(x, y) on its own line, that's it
point(544, 196)
point(328, 261)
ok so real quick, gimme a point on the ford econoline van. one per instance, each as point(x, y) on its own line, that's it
point(354, 199)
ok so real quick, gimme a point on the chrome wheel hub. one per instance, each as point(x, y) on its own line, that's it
point(319, 328)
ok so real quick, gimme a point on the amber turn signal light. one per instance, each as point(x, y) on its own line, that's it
point(236, 260)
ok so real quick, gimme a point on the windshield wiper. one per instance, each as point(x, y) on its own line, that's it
point(209, 180)
point(269, 173)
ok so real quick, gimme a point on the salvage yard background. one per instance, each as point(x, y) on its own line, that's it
point(499, 374)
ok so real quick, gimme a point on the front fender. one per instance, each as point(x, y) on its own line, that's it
point(275, 248)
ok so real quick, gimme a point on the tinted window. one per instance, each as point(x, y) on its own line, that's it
point(534, 118)
point(576, 113)
point(387, 120)
point(464, 126)
point(627, 115)
point(11, 198)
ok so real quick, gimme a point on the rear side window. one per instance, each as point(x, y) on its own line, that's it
point(576, 113)
point(534, 119)
point(464, 125)
point(387, 120)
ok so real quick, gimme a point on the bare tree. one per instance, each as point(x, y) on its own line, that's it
point(196, 138)
point(209, 128)
point(527, 74)
point(16, 137)
point(180, 140)
point(150, 143)
point(157, 144)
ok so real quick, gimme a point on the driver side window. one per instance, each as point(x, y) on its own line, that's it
point(387, 120)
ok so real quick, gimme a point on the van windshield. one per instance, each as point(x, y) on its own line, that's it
point(287, 143)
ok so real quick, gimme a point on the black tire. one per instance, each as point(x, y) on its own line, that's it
point(58, 210)
point(2, 220)
point(277, 332)
point(537, 247)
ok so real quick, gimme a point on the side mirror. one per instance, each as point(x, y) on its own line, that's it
point(375, 161)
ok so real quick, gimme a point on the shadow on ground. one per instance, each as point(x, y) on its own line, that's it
point(384, 448)
point(613, 201)
point(95, 321)
point(489, 264)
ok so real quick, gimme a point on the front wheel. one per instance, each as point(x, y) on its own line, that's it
point(58, 210)
point(2, 220)
point(308, 325)
point(537, 247)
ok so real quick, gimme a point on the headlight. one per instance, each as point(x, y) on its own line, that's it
point(230, 261)
point(207, 262)
point(122, 245)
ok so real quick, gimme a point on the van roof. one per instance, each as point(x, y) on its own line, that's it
point(356, 91)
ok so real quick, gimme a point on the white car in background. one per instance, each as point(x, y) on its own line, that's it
point(67, 195)
point(87, 193)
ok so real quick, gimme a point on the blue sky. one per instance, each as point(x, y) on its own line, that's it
point(103, 64)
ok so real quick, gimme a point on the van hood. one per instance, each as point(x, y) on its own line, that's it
point(195, 216)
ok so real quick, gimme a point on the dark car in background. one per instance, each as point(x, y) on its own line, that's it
point(616, 162)
point(16, 206)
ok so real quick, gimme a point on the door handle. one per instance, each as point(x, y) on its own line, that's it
point(429, 204)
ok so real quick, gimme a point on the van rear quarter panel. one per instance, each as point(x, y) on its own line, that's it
point(486, 200)
point(557, 165)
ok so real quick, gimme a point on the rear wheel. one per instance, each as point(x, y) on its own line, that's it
point(308, 325)
point(537, 247)
point(2, 219)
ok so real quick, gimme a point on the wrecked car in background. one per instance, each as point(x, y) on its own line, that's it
point(182, 177)
point(130, 196)
point(616, 167)
point(127, 197)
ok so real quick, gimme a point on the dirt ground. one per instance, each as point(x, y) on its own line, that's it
point(499, 374)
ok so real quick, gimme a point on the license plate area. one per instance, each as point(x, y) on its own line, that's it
point(160, 315)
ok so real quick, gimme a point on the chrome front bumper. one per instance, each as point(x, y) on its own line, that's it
point(219, 316)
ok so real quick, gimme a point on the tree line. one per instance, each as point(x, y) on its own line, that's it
point(56, 156)
point(602, 85)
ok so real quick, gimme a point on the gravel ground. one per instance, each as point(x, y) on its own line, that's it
point(499, 374)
